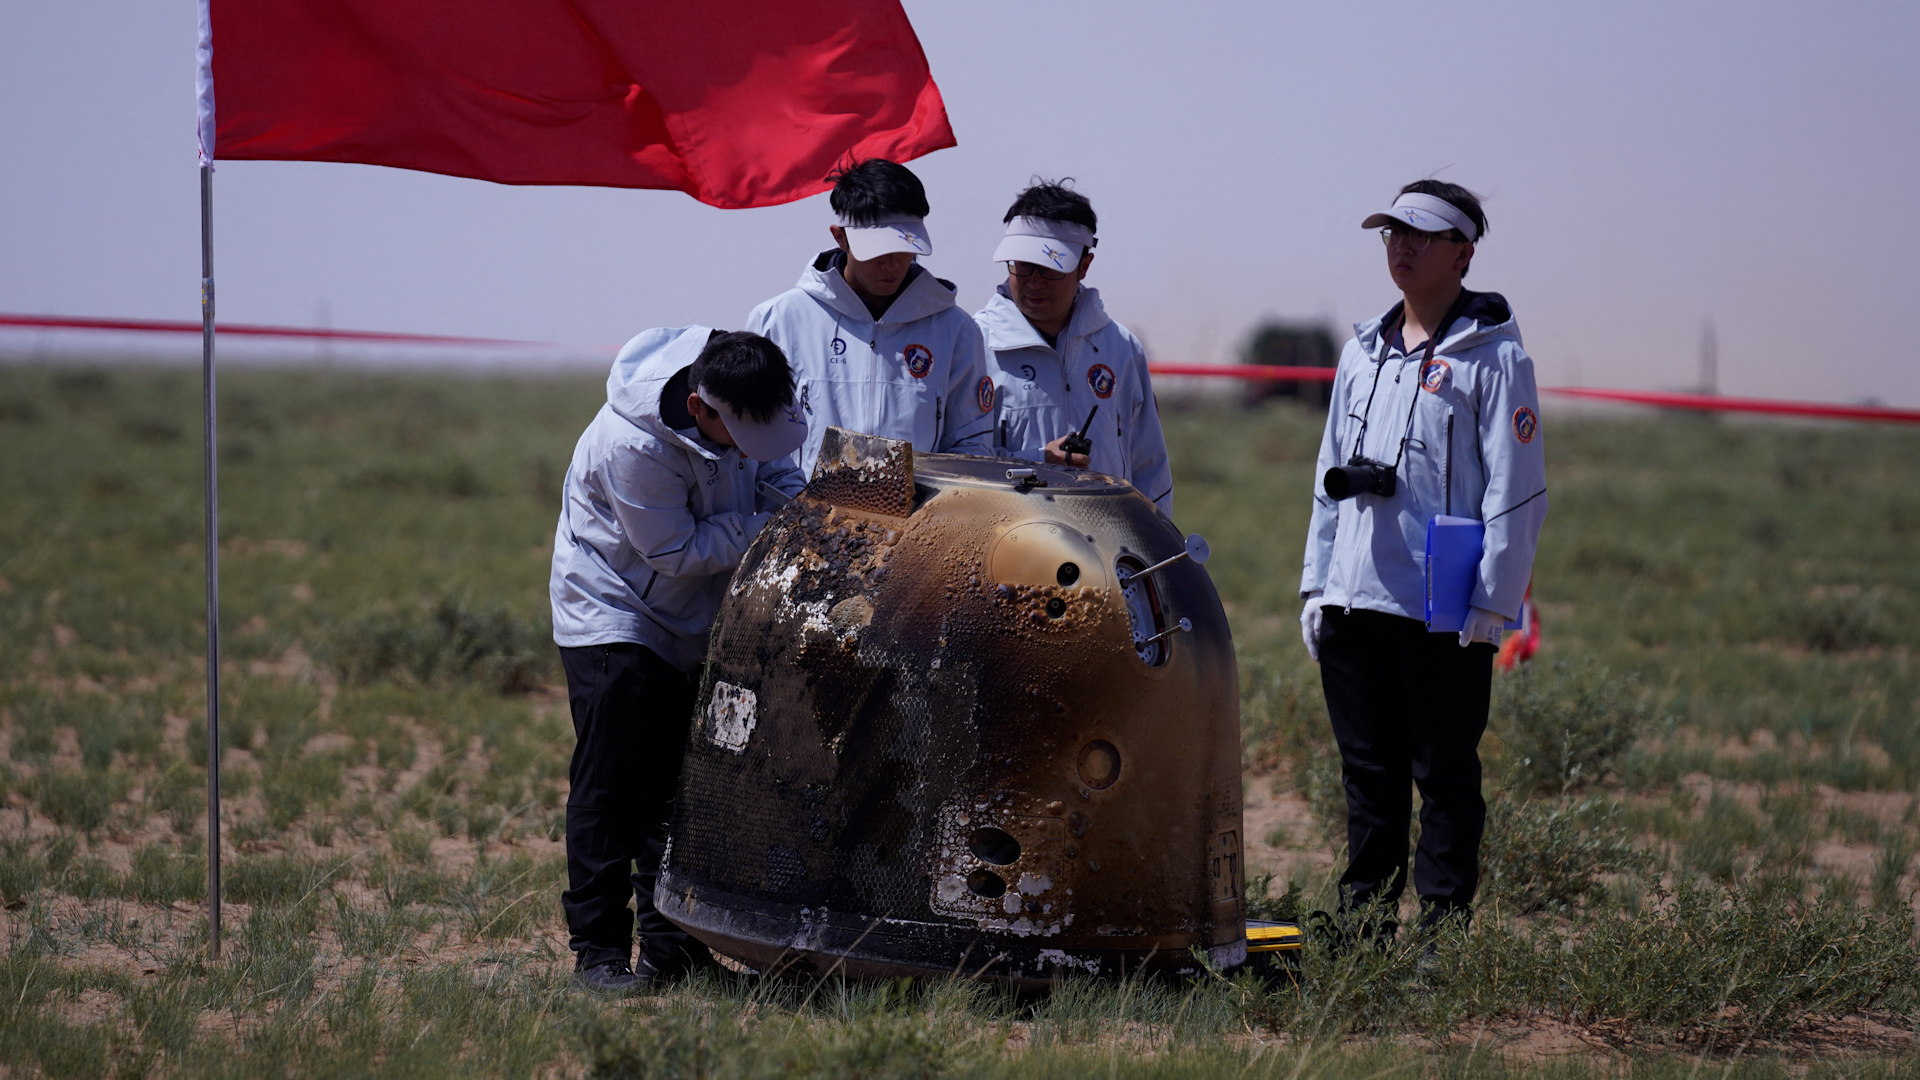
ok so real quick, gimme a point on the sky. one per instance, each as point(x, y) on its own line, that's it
point(1648, 169)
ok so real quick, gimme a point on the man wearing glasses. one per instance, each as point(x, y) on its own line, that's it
point(1434, 413)
point(1057, 357)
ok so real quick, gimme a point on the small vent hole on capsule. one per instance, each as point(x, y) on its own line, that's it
point(1067, 574)
point(994, 846)
point(1056, 607)
point(987, 883)
point(1099, 764)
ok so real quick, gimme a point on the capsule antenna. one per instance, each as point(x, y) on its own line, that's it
point(1185, 624)
point(1196, 549)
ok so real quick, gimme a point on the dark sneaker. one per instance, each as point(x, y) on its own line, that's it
point(672, 965)
point(615, 978)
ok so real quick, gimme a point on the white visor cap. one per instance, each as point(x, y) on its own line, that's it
point(1044, 242)
point(1428, 213)
point(905, 234)
point(768, 441)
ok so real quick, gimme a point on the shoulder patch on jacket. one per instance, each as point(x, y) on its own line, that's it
point(1525, 424)
point(985, 393)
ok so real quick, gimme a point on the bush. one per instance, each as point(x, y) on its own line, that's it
point(1263, 905)
point(1543, 856)
point(278, 879)
point(1566, 727)
point(160, 876)
point(446, 642)
point(180, 792)
point(1730, 960)
point(78, 799)
point(1836, 621)
point(1282, 716)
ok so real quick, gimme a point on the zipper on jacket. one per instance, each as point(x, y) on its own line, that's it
point(1447, 469)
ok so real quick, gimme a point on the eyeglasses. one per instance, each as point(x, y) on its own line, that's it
point(1027, 269)
point(1414, 238)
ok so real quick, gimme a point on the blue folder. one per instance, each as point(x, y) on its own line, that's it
point(1454, 545)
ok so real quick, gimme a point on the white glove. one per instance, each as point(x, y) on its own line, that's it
point(1482, 625)
point(1310, 625)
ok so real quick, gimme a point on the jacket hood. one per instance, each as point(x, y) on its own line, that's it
point(1007, 328)
point(641, 373)
point(1481, 319)
point(921, 296)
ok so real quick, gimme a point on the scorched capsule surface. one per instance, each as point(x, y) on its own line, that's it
point(937, 732)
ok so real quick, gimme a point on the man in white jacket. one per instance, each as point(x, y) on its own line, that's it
point(877, 343)
point(1060, 364)
point(661, 502)
point(1434, 412)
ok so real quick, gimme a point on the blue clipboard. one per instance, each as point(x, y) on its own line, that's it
point(1454, 546)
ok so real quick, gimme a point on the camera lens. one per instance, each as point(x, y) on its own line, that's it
point(1358, 478)
point(1346, 481)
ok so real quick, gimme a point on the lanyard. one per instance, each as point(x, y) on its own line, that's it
point(1433, 338)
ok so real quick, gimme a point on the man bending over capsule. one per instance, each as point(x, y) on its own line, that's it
point(662, 498)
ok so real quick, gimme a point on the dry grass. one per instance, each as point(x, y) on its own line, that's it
point(1731, 608)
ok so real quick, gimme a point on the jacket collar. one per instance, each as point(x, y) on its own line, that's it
point(1482, 318)
point(1007, 328)
point(921, 296)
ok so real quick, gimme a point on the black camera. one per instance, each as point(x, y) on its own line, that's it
point(1359, 476)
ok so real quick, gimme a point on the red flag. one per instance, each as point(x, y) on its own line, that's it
point(748, 103)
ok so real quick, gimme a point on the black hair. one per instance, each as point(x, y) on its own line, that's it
point(747, 372)
point(1463, 200)
point(868, 192)
point(1055, 201)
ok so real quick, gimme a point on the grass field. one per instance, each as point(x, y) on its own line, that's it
point(1701, 859)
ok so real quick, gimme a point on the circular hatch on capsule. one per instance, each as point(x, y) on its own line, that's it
point(1045, 553)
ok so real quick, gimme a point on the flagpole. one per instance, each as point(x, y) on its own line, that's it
point(212, 483)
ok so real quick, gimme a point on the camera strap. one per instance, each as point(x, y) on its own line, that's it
point(1433, 339)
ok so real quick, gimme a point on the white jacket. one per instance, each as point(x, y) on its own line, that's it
point(1476, 450)
point(654, 518)
point(919, 373)
point(1043, 392)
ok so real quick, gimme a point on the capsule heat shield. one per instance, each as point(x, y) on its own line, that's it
point(929, 738)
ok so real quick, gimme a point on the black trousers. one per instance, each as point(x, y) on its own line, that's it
point(1408, 707)
point(631, 711)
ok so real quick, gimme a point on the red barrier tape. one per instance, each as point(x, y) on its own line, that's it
point(1259, 372)
point(1715, 403)
point(1256, 372)
point(55, 322)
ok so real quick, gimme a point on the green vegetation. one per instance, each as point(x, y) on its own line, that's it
point(1703, 816)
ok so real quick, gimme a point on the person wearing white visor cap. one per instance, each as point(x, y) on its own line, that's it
point(1434, 414)
point(667, 487)
point(878, 344)
point(1060, 364)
